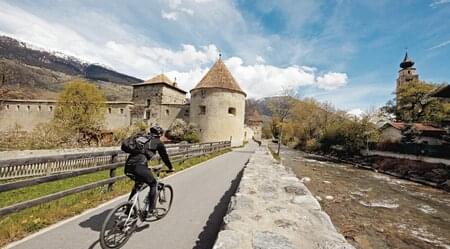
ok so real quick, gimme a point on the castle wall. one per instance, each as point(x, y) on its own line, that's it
point(216, 123)
point(27, 114)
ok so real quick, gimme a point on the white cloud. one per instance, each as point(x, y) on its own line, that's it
point(169, 15)
point(356, 112)
point(332, 80)
point(121, 50)
point(260, 59)
point(435, 3)
point(440, 45)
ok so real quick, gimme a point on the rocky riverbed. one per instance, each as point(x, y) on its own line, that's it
point(373, 210)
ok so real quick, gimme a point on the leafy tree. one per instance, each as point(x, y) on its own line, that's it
point(412, 104)
point(181, 131)
point(80, 108)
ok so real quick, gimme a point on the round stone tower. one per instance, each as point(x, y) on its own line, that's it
point(218, 106)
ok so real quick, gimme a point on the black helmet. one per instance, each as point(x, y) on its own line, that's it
point(156, 131)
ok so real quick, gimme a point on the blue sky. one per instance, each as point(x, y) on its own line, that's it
point(344, 52)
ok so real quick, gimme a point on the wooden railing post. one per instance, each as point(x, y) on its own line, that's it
point(112, 172)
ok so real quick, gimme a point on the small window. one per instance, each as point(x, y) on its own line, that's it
point(167, 112)
point(18, 107)
point(186, 113)
point(232, 111)
point(149, 102)
point(50, 108)
point(7, 107)
point(109, 110)
point(39, 108)
point(147, 114)
point(202, 109)
point(121, 110)
point(28, 108)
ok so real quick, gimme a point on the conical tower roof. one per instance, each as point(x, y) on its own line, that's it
point(161, 79)
point(219, 77)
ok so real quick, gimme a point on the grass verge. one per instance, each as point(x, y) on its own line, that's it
point(274, 154)
point(18, 225)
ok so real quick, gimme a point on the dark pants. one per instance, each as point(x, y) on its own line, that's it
point(142, 174)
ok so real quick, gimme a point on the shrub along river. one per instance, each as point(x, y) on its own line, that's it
point(373, 210)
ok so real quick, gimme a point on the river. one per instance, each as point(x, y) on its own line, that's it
point(373, 210)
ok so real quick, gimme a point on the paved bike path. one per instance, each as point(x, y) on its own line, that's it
point(201, 196)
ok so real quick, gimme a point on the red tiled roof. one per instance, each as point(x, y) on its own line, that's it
point(416, 126)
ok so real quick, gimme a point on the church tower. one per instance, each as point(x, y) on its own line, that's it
point(408, 72)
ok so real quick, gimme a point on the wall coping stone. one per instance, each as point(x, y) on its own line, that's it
point(273, 209)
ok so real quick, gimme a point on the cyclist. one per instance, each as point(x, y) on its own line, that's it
point(136, 165)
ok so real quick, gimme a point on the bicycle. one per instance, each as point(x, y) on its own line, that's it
point(122, 221)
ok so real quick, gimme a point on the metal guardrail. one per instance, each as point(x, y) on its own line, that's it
point(53, 168)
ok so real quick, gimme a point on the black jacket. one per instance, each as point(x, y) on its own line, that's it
point(150, 149)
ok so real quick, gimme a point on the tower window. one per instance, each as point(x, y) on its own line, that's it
point(232, 111)
point(202, 110)
point(18, 107)
point(147, 114)
point(28, 108)
point(109, 110)
point(149, 102)
point(121, 110)
point(50, 108)
point(167, 112)
point(7, 107)
point(39, 108)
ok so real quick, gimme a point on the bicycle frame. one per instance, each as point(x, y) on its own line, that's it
point(136, 200)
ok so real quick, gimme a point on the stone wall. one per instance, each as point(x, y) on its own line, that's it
point(215, 122)
point(27, 114)
point(273, 209)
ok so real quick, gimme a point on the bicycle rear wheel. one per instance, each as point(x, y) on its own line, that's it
point(118, 226)
point(164, 201)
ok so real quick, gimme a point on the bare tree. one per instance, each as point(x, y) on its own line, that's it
point(3, 89)
point(281, 107)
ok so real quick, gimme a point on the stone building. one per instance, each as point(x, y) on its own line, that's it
point(218, 106)
point(159, 101)
point(255, 122)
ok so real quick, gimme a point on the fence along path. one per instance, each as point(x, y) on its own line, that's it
point(52, 168)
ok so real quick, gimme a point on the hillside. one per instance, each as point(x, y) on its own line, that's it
point(40, 74)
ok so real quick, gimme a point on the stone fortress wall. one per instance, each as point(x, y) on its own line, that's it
point(217, 107)
point(27, 114)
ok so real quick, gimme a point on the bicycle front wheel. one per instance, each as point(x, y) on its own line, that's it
point(118, 226)
point(164, 202)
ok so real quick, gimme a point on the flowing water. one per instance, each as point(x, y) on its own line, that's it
point(373, 210)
